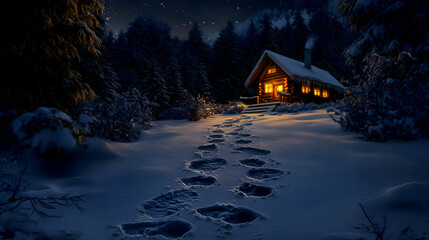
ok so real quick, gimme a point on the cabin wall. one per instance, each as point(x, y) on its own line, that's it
point(301, 96)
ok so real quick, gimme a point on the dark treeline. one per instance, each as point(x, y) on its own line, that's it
point(66, 58)
point(165, 68)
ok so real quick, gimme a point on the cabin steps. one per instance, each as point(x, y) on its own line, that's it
point(260, 108)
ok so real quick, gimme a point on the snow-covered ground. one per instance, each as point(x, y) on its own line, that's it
point(306, 176)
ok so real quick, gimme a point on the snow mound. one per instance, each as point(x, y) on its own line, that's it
point(252, 162)
point(229, 213)
point(200, 181)
point(264, 173)
point(169, 229)
point(252, 190)
point(210, 164)
point(409, 196)
point(252, 150)
point(46, 129)
point(168, 204)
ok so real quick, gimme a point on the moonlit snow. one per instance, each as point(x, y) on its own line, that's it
point(300, 177)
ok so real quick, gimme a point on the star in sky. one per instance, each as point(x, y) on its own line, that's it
point(181, 15)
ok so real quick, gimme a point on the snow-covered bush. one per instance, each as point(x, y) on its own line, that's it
point(234, 108)
point(200, 108)
point(120, 120)
point(298, 107)
point(48, 130)
point(389, 96)
point(392, 100)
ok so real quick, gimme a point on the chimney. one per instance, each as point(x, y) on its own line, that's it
point(307, 59)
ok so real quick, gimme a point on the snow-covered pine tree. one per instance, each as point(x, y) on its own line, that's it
point(43, 45)
point(390, 98)
point(154, 87)
point(174, 82)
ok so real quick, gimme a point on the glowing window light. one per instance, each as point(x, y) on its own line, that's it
point(268, 88)
point(305, 89)
point(325, 94)
point(317, 92)
point(280, 88)
point(272, 70)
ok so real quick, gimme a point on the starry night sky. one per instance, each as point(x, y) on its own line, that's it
point(212, 15)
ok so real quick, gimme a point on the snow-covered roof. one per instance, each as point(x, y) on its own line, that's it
point(296, 68)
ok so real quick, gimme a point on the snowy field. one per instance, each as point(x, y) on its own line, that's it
point(291, 176)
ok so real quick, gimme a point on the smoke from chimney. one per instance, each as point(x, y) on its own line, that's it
point(309, 45)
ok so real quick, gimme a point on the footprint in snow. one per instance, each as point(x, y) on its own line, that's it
point(168, 204)
point(244, 135)
point(208, 164)
point(233, 133)
point(264, 173)
point(243, 141)
point(216, 140)
point(229, 213)
point(232, 121)
point(216, 136)
point(198, 181)
point(208, 147)
point(252, 150)
point(168, 229)
point(252, 162)
point(238, 129)
point(248, 124)
point(227, 125)
point(217, 131)
point(252, 190)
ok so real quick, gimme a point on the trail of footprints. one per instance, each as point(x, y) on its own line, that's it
point(158, 216)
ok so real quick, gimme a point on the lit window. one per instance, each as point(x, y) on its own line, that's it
point(268, 88)
point(305, 89)
point(280, 88)
point(316, 92)
point(272, 70)
point(325, 94)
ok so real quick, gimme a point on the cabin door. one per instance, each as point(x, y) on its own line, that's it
point(276, 92)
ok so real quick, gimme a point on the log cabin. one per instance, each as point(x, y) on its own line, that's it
point(277, 78)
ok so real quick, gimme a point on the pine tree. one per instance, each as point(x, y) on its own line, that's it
point(300, 33)
point(267, 39)
point(196, 45)
point(328, 35)
point(43, 46)
point(227, 65)
point(174, 81)
point(286, 40)
point(196, 58)
point(154, 87)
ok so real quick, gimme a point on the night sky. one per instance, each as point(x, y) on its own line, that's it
point(212, 15)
